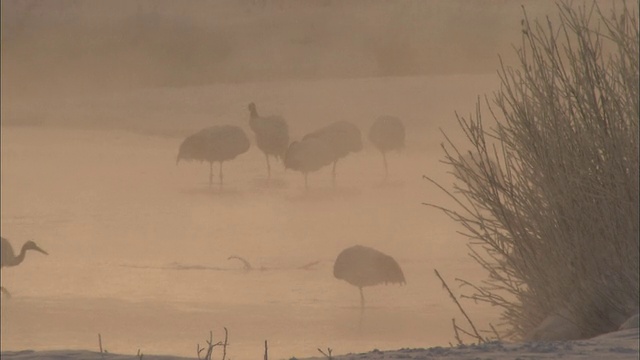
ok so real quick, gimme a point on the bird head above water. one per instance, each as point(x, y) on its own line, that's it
point(9, 258)
point(30, 245)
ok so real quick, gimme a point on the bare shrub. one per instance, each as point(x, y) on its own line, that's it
point(555, 221)
point(210, 345)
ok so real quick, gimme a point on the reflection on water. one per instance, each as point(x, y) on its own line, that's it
point(140, 250)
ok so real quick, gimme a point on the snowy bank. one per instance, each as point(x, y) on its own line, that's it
point(617, 345)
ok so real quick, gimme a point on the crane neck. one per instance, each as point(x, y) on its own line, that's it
point(20, 256)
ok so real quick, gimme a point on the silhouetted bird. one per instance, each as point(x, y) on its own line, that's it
point(343, 137)
point(307, 156)
point(363, 266)
point(214, 144)
point(387, 133)
point(272, 135)
point(8, 257)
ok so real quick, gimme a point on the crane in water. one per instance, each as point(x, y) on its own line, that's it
point(272, 135)
point(387, 134)
point(307, 156)
point(363, 266)
point(214, 144)
point(8, 257)
point(342, 137)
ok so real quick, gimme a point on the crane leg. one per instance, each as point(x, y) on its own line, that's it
point(268, 167)
point(361, 298)
point(386, 168)
point(210, 174)
point(220, 175)
point(306, 183)
point(333, 173)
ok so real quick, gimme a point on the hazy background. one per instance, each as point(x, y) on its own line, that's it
point(98, 95)
point(97, 44)
point(138, 65)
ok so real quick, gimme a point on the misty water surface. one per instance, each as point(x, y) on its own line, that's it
point(139, 247)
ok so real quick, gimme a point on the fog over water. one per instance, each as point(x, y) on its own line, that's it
point(96, 101)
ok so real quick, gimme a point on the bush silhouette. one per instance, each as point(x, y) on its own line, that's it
point(555, 222)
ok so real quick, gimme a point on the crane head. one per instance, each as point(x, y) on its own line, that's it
point(30, 245)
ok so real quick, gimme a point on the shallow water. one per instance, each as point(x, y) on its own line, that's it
point(139, 249)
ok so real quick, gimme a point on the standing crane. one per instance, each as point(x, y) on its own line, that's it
point(214, 144)
point(307, 156)
point(363, 266)
point(272, 135)
point(387, 134)
point(342, 137)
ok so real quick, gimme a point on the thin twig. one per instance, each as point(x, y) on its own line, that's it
point(309, 265)
point(224, 346)
point(495, 332)
point(100, 344)
point(444, 284)
point(247, 266)
point(210, 346)
point(464, 331)
point(328, 356)
point(455, 330)
point(266, 351)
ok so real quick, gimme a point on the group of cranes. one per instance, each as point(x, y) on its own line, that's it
point(314, 151)
point(358, 265)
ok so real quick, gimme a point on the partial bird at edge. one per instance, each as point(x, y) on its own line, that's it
point(8, 257)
